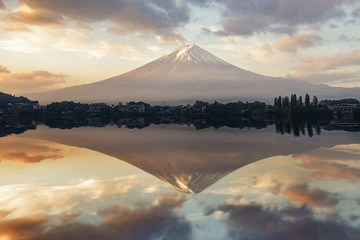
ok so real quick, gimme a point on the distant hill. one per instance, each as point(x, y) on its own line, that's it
point(5, 99)
point(187, 74)
point(340, 101)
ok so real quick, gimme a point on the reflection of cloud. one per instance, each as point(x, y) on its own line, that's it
point(35, 79)
point(256, 222)
point(3, 214)
point(292, 43)
point(68, 218)
point(325, 164)
point(39, 200)
point(25, 151)
point(22, 229)
point(302, 195)
point(144, 221)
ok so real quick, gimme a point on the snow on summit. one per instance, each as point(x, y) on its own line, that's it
point(192, 54)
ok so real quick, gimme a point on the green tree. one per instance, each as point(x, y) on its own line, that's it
point(307, 101)
point(315, 101)
point(293, 101)
point(286, 101)
point(300, 102)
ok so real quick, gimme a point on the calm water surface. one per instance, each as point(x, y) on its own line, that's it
point(176, 182)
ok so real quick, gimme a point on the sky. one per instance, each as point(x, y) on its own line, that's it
point(50, 44)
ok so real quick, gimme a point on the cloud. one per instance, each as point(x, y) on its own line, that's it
point(268, 50)
point(2, 5)
point(317, 68)
point(29, 152)
point(257, 222)
point(12, 26)
point(3, 214)
point(356, 12)
point(68, 218)
point(4, 69)
point(331, 78)
point(246, 18)
point(38, 17)
point(294, 42)
point(16, 229)
point(302, 195)
point(317, 64)
point(159, 17)
point(145, 221)
point(36, 80)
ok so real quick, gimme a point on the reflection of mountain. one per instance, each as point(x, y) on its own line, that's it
point(187, 159)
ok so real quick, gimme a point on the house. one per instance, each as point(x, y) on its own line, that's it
point(96, 107)
point(22, 108)
point(132, 107)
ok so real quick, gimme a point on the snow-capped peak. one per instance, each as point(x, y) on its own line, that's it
point(192, 54)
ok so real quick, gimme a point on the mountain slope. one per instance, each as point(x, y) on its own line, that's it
point(189, 73)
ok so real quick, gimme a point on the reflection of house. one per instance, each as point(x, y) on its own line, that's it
point(132, 107)
point(22, 108)
point(96, 107)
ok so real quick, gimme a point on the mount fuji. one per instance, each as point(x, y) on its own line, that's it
point(190, 73)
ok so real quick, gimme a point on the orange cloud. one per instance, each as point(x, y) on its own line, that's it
point(29, 15)
point(326, 69)
point(4, 69)
point(22, 229)
point(317, 64)
point(3, 214)
point(36, 80)
point(302, 195)
point(26, 151)
point(325, 169)
point(292, 43)
point(15, 27)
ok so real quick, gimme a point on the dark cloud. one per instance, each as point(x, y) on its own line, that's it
point(280, 16)
point(254, 222)
point(144, 221)
point(127, 16)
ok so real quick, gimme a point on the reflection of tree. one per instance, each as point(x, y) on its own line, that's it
point(298, 128)
point(16, 126)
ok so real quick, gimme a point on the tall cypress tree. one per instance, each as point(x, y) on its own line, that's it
point(307, 101)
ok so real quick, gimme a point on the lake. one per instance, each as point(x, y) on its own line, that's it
point(175, 181)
